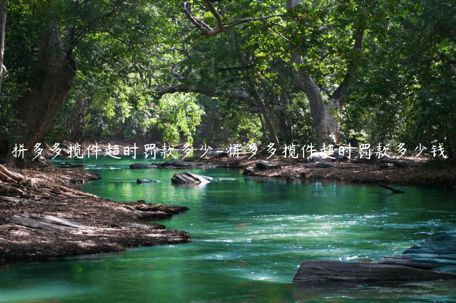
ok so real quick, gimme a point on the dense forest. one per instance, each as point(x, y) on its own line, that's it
point(321, 71)
point(305, 148)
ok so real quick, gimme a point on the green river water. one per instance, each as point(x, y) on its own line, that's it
point(249, 236)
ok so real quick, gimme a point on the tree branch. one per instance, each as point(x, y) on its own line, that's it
point(251, 19)
point(342, 92)
point(201, 25)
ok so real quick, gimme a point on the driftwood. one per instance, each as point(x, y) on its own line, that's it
point(8, 176)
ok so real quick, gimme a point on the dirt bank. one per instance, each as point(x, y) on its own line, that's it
point(43, 215)
point(403, 172)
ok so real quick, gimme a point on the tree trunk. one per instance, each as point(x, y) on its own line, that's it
point(264, 111)
point(325, 126)
point(209, 123)
point(282, 114)
point(38, 108)
point(3, 4)
point(77, 124)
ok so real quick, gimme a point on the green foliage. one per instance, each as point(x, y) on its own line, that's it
point(177, 116)
point(403, 86)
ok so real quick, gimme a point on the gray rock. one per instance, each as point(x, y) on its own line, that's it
point(435, 258)
point(326, 271)
point(249, 171)
point(319, 157)
point(397, 162)
point(264, 165)
point(190, 179)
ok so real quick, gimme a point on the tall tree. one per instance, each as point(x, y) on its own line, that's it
point(325, 123)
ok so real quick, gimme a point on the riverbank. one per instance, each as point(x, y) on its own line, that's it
point(44, 215)
point(402, 172)
point(413, 171)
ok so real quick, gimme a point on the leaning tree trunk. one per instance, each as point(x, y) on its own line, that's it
point(3, 4)
point(325, 125)
point(38, 108)
point(266, 114)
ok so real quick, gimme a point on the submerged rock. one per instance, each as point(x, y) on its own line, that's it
point(177, 164)
point(70, 165)
point(434, 259)
point(142, 166)
point(181, 164)
point(144, 181)
point(190, 178)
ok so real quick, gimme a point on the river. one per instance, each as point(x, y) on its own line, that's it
point(249, 237)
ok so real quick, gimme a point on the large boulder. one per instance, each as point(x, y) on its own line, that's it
point(326, 271)
point(190, 179)
point(435, 258)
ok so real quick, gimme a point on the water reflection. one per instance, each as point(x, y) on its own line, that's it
point(248, 239)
